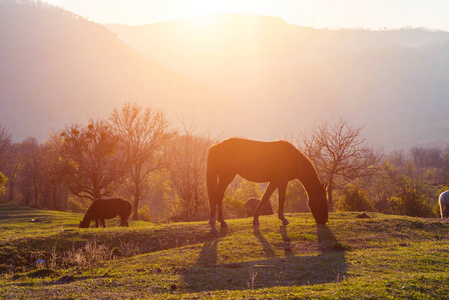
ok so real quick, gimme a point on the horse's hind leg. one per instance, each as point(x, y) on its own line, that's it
point(265, 198)
point(103, 223)
point(216, 204)
point(123, 222)
point(222, 185)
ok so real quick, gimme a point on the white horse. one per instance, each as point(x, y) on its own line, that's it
point(444, 204)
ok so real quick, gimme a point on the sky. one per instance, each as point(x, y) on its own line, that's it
point(333, 14)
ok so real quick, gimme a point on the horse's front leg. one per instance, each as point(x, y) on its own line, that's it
point(96, 222)
point(281, 200)
point(213, 213)
point(265, 198)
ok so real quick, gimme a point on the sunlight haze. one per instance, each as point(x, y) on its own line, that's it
point(382, 14)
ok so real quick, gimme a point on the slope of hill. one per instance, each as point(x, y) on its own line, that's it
point(251, 76)
point(380, 257)
point(57, 68)
point(286, 77)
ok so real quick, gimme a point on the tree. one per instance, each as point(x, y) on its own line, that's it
point(3, 180)
point(186, 160)
point(339, 153)
point(141, 134)
point(54, 193)
point(88, 160)
point(7, 163)
point(424, 158)
point(30, 174)
point(5, 147)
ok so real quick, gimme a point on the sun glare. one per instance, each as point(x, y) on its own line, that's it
point(199, 8)
point(201, 12)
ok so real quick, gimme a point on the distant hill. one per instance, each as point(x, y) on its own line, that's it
point(251, 76)
point(57, 68)
point(286, 77)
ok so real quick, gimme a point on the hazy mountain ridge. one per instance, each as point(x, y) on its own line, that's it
point(392, 81)
point(57, 68)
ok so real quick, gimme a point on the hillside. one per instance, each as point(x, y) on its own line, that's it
point(285, 77)
point(247, 76)
point(379, 257)
point(58, 68)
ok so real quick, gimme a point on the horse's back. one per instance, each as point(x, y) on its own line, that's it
point(110, 208)
point(255, 160)
point(444, 198)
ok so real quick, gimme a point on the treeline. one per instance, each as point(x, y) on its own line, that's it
point(135, 154)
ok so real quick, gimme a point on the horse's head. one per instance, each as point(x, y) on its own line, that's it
point(318, 204)
point(84, 224)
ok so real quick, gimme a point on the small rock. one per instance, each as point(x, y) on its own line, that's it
point(65, 279)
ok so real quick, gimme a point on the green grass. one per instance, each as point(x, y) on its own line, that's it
point(382, 257)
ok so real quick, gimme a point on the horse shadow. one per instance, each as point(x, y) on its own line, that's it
point(327, 265)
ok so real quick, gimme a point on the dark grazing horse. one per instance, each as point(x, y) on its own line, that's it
point(274, 162)
point(102, 209)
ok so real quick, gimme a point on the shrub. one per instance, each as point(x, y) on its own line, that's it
point(410, 199)
point(353, 198)
point(3, 180)
point(144, 213)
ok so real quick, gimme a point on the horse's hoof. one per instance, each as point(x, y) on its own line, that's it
point(214, 231)
point(256, 222)
point(224, 224)
point(285, 222)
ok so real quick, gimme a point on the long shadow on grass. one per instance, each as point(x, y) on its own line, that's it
point(326, 264)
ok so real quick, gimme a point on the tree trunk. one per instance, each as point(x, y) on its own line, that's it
point(135, 209)
point(136, 203)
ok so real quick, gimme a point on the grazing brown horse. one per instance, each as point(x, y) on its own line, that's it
point(274, 162)
point(102, 209)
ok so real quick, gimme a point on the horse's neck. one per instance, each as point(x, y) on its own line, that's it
point(308, 176)
point(88, 217)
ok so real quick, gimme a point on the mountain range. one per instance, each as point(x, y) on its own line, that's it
point(250, 76)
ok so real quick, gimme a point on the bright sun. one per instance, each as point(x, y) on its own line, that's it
point(201, 7)
point(201, 12)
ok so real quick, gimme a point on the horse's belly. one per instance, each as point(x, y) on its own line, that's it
point(260, 174)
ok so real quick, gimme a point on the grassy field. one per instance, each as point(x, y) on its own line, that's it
point(349, 258)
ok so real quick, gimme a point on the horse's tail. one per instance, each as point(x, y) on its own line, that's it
point(212, 180)
point(443, 201)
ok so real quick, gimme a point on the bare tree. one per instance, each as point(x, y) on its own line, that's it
point(30, 170)
point(6, 165)
point(340, 153)
point(5, 148)
point(88, 160)
point(141, 134)
point(186, 160)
